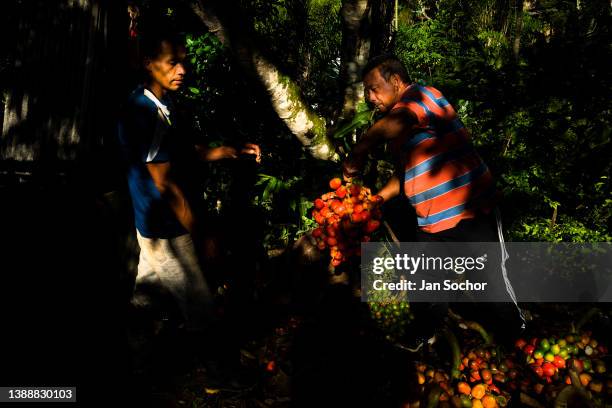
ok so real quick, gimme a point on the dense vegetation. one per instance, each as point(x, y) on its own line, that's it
point(529, 79)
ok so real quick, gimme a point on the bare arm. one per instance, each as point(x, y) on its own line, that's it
point(172, 193)
point(393, 125)
point(226, 152)
point(391, 189)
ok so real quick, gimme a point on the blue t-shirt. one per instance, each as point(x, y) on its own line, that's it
point(146, 136)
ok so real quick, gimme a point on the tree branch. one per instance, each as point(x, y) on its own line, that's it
point(285, 96)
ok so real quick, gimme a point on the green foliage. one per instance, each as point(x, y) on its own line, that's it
point(539, 118)
point(567, 229)
point(363, 119)
point(423, 48)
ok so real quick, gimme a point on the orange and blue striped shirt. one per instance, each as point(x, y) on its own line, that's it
point(444, 178)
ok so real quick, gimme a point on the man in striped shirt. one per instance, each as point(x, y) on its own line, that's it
point(437, 168)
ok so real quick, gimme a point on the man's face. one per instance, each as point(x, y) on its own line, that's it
point(379, 92)
point(167, 69)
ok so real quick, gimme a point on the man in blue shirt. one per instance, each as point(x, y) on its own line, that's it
point(168, 227)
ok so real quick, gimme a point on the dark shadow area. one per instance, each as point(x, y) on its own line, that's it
point(60, 291)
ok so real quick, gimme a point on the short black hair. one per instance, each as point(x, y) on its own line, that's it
point(387, 64)
point(151, 41)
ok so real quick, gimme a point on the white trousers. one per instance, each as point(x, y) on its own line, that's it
point(173, 264)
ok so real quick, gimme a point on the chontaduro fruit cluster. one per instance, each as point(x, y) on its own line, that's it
point(347, 216)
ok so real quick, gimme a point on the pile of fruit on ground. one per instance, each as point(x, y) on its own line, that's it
point(542, 371)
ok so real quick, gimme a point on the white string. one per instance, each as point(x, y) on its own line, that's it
point(505, 257)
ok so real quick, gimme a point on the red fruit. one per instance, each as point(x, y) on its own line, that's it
point(321, 245)
point(559, 362)
point(341, 192)
point(331, 241)
point(577, 365)
point(335, 183)
point(326, 212)
point(549, 369)
point(538, 370)
point(331, 230)
point(336, 262)
point(356, 217)
point(320, 219)
point(529, 349)
point(365, 215)
point(317, 232)
point(271, 366)
point(358, 208)
point(366, 238)
point(340, 209)
point(520, 343)
point(346, 224)
point(354, 190)
point(486, 374)
point(372, 226)
point(318, 203)
point(475, 375)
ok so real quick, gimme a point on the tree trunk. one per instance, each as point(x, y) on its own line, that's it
point(285, 96)
point(518, 30)
point(366, 32)
point(355, 53)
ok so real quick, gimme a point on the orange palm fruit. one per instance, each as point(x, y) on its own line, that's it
point(464, 388)
point(488, 401)
point(335, 183)
point(478, 391)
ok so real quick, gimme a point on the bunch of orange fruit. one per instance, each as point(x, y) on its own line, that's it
point(347, 216)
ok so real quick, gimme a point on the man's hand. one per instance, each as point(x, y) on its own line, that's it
point(251, 148)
